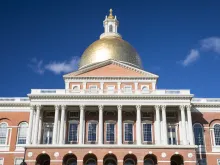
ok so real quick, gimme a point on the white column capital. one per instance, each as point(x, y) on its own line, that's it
point(63, 107)
point(138, 107)
point(100, 107)
point(163, 107)
point(119, 107)
point(182, 107)
point(188, 107)
point(157, 107)
point(81, 107)
point(38, 106)
point(57, 107)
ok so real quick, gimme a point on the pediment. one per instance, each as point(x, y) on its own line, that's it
point(111, 68)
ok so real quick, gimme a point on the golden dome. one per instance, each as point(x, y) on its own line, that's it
point(111, 47)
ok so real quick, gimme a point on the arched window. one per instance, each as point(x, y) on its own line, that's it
point(22, 133)
point(217, 134)
point(198, 134)
point(110, 28)
point(129, 162)
point(3, 133)
point(91, 162)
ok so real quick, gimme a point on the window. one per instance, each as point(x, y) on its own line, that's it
point(1, 161)
point(145, 89)
point(127, 89)
point(3, 133)
point(91, 162)
point(202, 162)
point(73, 114)
point(47, 133)
point(111, 89)
point(198, 134)
point(92, 132)
point(110, 28)
point(147, 132)
point(129, 162)
point(76, 88)
point(73, 131)
point(22, 133)
point(128, 132)
point(217, 134)
point(93, 88)
point(110, 132)
point(18, 161)
point(172, 134)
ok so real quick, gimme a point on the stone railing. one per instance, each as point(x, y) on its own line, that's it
point(14, 99)
point(205, 100)
point(110, 92)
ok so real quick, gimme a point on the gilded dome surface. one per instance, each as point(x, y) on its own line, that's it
point(111, 47)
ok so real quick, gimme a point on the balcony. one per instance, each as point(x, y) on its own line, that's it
point(106, 92)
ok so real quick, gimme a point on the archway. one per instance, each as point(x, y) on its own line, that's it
point(43, 159)
point(150, 159)
point(176, 160)
point(69, 159)
point(130, 159)
point(90, 159)
point(110, 159)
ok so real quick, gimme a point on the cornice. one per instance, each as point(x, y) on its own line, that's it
point(107, 97)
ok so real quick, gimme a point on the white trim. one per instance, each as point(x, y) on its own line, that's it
point(142, 131)
point(18, 131)
point(127, 92)
point(168, 161)
point(73, 122)
point(17, 158)
point(2, 158)
point(96, 90)
point(189, 161)
point(110, 122)
point(128, 122)
point(92, 122)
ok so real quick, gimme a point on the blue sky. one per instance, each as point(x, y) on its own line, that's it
point(178, 40)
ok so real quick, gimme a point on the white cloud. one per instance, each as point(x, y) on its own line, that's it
point(56, 67)
point(191, 57)
point(63, 67)
point(211, 44)
point(37, 66)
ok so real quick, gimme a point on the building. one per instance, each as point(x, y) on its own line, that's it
point(110, 112)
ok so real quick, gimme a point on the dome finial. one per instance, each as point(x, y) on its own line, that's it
point(110, 14)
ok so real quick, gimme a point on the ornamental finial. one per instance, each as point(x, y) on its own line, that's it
point(110, 14)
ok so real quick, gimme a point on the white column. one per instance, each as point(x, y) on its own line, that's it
point(136, 87)
point(101, 87)
point(63, 108)
point(138, 125)
point(100, 124)
point(31, 117)
point(81, 124)
point(38, 107)
point(119, 124)
point(164, 119)
point(84, 87)
point(119, 87)
point(157, 131)
point(55, 124)
point(40, 128)
point(183, 121)
point(189, 117)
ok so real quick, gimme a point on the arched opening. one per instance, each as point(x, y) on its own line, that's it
point(110, 159)
point(130, 159)
point(43, 159)
point(176, 160)
point(90, 159)
point(110, 28)
point(198, 134)
point(69, 159)
point(150, 159)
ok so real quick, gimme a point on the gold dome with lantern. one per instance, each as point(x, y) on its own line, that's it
point(110, 46)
